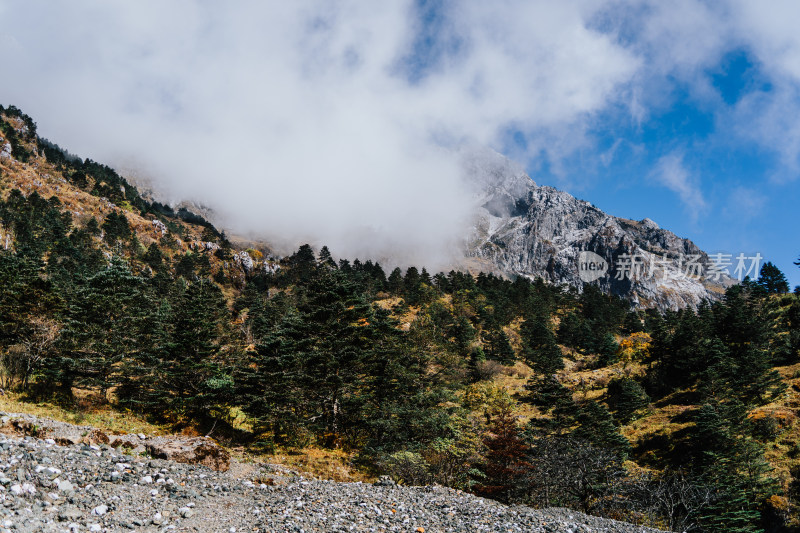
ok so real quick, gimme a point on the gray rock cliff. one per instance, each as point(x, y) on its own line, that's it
point(522, 229)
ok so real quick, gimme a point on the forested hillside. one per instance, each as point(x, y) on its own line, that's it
point(517, 390)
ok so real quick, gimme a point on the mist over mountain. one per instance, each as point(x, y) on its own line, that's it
point(286, 119)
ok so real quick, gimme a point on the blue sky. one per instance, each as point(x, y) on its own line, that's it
point(750, 198)
point(335, 121)
point(735, 194)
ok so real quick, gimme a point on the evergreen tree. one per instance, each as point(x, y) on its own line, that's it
point(499, 347)
point(319, 351)
point(626, 396)
point(596, 426)
point(553, 399)
point(153, 257)
point(105, 324)
point(741, 325)
point(608, 350)
point(539, 348)
point(633, 323)
point(271, 386)
point(303, 263)
point(732, 466)
point(400, 401)
point(325, 258)
point(27, 298)
point(574, 331)
point(116, 228)
point(209, 235)
point(193, 379)
point(772, 280)
point(395, 282)
point(92, 227)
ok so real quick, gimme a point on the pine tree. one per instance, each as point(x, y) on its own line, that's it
point(499, 347)
point(772, 280)
point(92, 227)
point(608, 350)
point(793, 329)
point(632, 324)
point(154, 258)
point(553, 399)
point(116, 228)
point(395, 282)
point(741, 325)
point(26, 299)
point(400, 401)
point(411, 286)
point(325, 258)
point(574, 331)
point(209, 235)
point(303, 263)
point(732, 466)
point(271, 386)
point(626, 397)
point(311, 363)
point(104, 326)
point(141, 387)
point(539, 348)
point(596, 426)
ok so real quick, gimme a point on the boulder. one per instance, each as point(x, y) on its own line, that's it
point(96, 437)
point(244, 260)
point(194, 451)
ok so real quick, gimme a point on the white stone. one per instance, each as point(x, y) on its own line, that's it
point(161, 228)
point(244, 260)
point(100, 510)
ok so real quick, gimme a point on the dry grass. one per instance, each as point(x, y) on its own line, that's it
point(37, 175)
point(102, 417)
point(335, 465)
point(405, 319)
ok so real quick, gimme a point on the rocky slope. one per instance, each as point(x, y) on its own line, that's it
point(68, 479)
point(536, 231)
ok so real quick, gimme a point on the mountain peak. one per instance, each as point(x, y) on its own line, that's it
point(522, 229)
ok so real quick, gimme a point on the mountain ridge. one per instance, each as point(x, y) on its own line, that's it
point(522, 228)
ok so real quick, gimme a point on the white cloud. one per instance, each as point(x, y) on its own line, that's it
point(295, 121)
point(291, 118)
point(671, 173)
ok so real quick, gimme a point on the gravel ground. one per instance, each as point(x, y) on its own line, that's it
point(45, 486)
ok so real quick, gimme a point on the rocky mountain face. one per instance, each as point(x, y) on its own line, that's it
point(537, 231)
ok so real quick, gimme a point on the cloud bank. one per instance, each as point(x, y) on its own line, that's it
point(337, 122)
